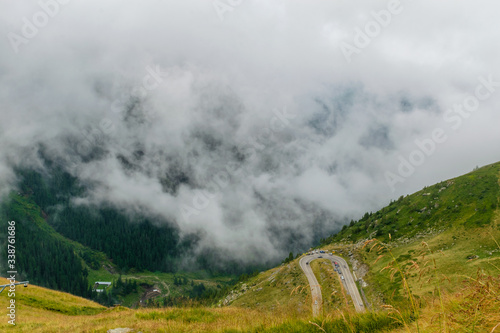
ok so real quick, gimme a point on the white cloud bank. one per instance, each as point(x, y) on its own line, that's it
point(254, 130)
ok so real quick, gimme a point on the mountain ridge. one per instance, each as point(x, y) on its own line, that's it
point(446, 253)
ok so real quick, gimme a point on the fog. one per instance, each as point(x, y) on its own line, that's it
point(261, 126)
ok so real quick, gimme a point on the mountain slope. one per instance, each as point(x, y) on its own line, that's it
point(47, 258)
point(42, 255)
point(449, 257)
point(435, 241)
point(131, 242)
point(441, 238)
point(467, 201)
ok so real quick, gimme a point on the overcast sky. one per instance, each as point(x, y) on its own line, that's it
point(250, 122)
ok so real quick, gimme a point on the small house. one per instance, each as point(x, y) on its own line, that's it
point(100, 286)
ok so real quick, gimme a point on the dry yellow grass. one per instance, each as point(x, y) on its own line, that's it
point(44, 310)
point(473, 308)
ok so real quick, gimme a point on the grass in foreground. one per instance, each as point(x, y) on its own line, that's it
point(44, 310)
point(474, 307)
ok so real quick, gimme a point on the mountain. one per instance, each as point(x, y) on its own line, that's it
point(428, 262)
point(67, 247)
point(136, 241)
point(131, 244)
point(440, 245)
point(465, 202)
point(42, 255)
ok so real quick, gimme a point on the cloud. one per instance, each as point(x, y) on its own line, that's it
point(253, 131)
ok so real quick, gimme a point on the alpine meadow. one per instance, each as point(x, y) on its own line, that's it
point(249, 166)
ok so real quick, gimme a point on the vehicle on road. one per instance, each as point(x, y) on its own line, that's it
point(321, 251)
point(320, 256)
point(342, 277)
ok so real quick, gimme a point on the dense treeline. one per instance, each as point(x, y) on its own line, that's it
point(139, 243)
point(198, 294)
point(130, 244)
point(41, 257)
point(48, 190)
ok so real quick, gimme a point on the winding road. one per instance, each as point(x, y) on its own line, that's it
point(348, 281)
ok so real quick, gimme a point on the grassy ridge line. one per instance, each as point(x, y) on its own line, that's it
point(460, 249)
point(458, 227)
point(41, 318)
point(468, 201)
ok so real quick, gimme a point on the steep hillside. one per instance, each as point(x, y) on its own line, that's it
point(468, 201)
point(286, 289)
point(47, 258)
point(430, 270)
point(437, 240)
point(42, 255)
point(424, 247)
point(132, 243)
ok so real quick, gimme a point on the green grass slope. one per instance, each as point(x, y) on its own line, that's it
point(468, 201)
point(457, 218)
point(435, 240)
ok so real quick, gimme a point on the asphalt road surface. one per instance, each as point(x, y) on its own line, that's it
point(348, 281)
